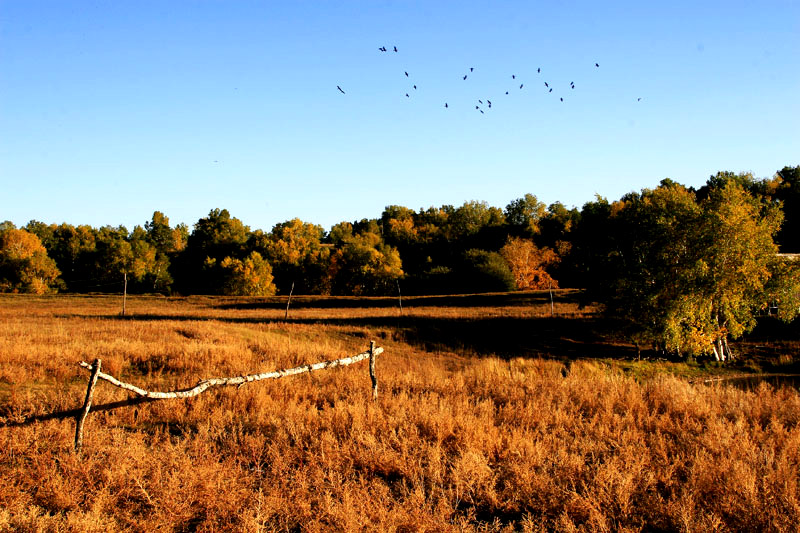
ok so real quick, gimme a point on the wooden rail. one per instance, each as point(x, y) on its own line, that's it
point(206, 384)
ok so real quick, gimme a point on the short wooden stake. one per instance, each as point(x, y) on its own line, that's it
point(400, 297)
point(87, 404)
point(288, 301)
point(372, 355)
point(124, 291)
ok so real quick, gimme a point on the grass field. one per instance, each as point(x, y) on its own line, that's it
point(476, 427)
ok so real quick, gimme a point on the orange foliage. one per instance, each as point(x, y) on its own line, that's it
point(528, 263)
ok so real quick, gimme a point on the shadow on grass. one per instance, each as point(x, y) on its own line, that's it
point(500, 299)
point(72, 413)
point(555, 337)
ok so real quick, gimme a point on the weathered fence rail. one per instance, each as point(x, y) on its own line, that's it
point(206, 384)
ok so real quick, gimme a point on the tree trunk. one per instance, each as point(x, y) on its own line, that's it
point(727, 348)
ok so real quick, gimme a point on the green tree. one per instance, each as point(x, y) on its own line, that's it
point(214, 237)
point(24, 264)
point(688, 275)
point(364, 265)
point(484, 271)
point(524, 214)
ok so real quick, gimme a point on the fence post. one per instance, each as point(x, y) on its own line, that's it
point(288, 301)
point(372, 370)
point(87, 404)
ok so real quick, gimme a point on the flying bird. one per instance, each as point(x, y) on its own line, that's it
point(415, 87)
point(506, 92)
point(445, 105)
point(562, 99)
point(465, 76)
point(551, 90)
point(340, 89)
point(406, 73)
point(481, 110)
point(513, 77)
point(407, 95)
point(638, 99)
point(480, 101)
point(471, 69)
point(395, 49)
point(545, 84)
point(382, 48)
point(597, 65)
point(520, 85)
point(539, 70)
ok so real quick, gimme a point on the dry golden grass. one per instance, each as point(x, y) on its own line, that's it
point(455, 442)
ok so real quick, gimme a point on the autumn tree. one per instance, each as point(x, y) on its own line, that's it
point(251, 276)
point(295, 250)
point(528, 264)
point(738, 251)
point(24, 264)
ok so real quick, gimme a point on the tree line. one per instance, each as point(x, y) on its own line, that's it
point(683, 268)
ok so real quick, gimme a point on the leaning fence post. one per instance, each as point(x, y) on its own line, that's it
point(372, 370)
point(87, 404)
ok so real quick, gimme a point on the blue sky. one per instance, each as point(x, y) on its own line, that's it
point(112, 110)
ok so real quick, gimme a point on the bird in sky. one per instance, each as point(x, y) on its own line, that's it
point(406, 73)
point(395, 49)
point(382, 48)
point(539, 70)
point(480, 101)
point(638, 99)
point(597, 65)
point(545, 84)
point(520, 85)
point(471, 69)
point(407, 95)
point(465, 76)
point(562, 99)
point(445, 105)
point(340, 89)
point(415, 87)
point(481, 110)
point(513, 77)
point(551, 90)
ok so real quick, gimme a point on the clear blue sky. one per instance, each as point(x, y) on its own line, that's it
point(112, 110)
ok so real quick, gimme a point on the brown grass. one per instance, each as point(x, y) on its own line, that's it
point(463, 437)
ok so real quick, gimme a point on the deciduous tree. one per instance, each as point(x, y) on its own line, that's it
point(24, 264)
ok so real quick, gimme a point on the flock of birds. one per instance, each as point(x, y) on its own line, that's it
point(480, 105)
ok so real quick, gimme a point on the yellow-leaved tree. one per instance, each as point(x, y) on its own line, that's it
point(24, 264)
point(251, 276)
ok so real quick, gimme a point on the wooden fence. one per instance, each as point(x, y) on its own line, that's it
point(206, 384)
